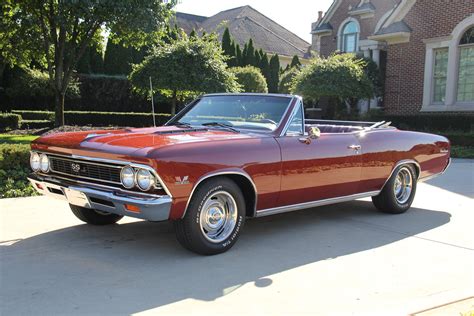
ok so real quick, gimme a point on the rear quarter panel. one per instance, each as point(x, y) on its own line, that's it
point(383, 149)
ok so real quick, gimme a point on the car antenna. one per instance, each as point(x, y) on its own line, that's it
point(152, 103)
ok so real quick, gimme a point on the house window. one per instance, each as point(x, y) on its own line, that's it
point(466, 67)
point(440, 75)
point(350, 37)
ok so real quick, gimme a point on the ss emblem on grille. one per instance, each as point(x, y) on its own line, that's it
point(75, 167)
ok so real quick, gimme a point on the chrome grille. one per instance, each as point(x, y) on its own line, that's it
point(108, 173)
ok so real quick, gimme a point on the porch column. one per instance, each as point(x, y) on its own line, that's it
point(376, 56)
point(366, 53)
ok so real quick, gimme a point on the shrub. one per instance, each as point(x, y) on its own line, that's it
point(26, 83)
point(14, 168)
point(9, 121)
point(251, 79)
point(114, 118)
point(35, 115)
point(286, 80)
point(36, 124)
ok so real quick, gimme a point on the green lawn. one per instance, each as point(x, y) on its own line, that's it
point(16, 139)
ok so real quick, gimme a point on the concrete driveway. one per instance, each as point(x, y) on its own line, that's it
point(341, 259)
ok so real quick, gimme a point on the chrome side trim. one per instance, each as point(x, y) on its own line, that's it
point(219, 173)
point(436, 174)
point(403, 162)
point(118, 162)
point(300, 206)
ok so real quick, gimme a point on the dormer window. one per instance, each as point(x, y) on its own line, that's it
point(350, 37)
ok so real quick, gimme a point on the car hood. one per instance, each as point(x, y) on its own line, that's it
point(132, 142)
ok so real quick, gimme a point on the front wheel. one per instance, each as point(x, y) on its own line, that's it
point(214, 217)
point(398, 193)
point(94, 217)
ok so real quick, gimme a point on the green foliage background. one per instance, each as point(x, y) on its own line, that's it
point(251, 79)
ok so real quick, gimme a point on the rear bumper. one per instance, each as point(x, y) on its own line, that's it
point(152, 208)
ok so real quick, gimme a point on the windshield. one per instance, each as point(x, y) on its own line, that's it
point(239, 111)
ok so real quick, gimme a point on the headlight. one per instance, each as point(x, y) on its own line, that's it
point(44, 163)
point(35, 161)
point(144, 179)
point(127, 177)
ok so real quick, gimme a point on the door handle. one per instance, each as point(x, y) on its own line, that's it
point(354, 147)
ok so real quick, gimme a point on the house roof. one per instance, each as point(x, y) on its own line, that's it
point(396, 27)
point(245, 22)
point(188, 22)
point(321, 28)
point(365, 7)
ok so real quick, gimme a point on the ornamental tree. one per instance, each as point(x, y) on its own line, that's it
point(186, 67)
point(286, 80)
point(65, 29)
point(340, 77)
point(251, 79)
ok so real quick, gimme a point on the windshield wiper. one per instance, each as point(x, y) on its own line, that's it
point(224, 125)
point(181, 124)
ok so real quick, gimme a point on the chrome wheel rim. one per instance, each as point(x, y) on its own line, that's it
point(218, 216)
point(403, 185)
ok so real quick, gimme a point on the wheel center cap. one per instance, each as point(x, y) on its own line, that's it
point(215, 216)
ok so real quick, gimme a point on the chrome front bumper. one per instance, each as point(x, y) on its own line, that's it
point(152, 208)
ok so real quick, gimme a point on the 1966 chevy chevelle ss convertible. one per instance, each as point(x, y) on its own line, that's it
point(226, 157)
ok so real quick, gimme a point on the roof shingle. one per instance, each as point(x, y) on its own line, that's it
point(246, 22)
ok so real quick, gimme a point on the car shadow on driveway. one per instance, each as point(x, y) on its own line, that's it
point(133, 267)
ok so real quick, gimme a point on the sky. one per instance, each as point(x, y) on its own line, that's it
point(295, 15)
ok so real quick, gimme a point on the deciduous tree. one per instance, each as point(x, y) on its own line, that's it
point(65, 29)
point(340, 77)
point(185, 67)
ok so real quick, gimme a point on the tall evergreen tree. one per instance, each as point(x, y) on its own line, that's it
point(244, 56)
point(233, 62)
point(193, 33)
point(264, 65)
point(227, 43)
point(274, 74)
point(257, 58)
point(295, 62)
point(238, 55)
point(249, 57)
point(117, 59)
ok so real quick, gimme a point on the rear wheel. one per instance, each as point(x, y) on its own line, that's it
point(214, 217)
point(398, 193)
point(94, 217)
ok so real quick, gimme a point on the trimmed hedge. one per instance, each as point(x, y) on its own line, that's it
point(35, 115)
point(114, 118)
point(14, 168)
point(36, 124)
point(9, 121)
point(429, 122)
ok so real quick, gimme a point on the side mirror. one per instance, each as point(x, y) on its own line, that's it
point(314, 133)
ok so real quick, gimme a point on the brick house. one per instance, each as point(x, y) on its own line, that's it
point(425, 49)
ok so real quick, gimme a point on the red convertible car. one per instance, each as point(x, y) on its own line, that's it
point(226, 157)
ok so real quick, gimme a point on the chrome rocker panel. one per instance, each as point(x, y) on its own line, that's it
point(152, 208)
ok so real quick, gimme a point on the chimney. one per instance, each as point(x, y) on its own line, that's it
point(320, 16)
